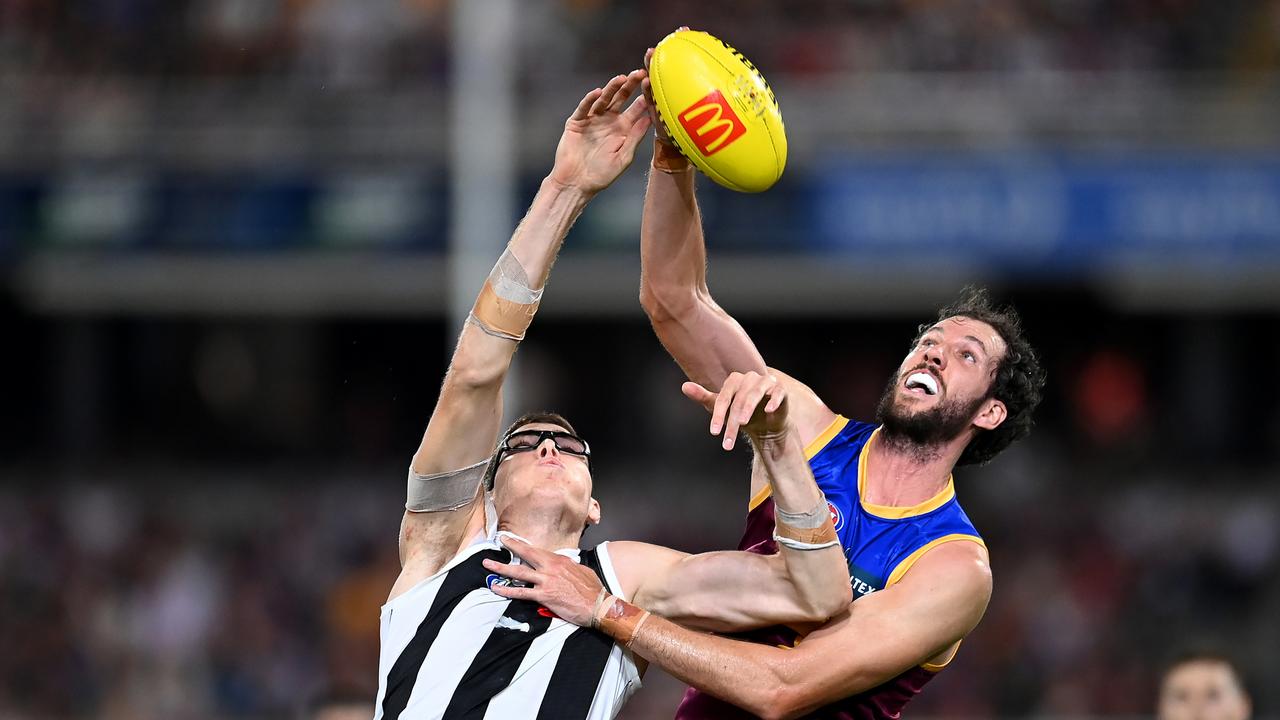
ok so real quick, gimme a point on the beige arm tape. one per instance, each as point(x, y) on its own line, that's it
point(618, 619)
point(812, 530)
point(444, 491)
point(506, 304)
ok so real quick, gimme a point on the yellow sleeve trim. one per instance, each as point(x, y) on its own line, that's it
point(951, 655)
point(760, 497)
point(815, 446)
point(911, 559)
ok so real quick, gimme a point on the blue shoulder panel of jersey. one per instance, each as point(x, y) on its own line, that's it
point(881, 543)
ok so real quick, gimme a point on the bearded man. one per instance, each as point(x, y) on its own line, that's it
point(921, 581)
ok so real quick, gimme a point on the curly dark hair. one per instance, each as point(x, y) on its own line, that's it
point(1019, 381)
point(541, 416)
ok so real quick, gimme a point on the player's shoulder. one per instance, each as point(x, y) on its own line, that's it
point(816, 422)
point(962, 566)
point(634, 562)
point(806, 410)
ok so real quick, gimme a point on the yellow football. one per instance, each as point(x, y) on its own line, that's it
point(719, 110)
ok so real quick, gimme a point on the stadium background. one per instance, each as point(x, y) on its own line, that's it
point(226, 301)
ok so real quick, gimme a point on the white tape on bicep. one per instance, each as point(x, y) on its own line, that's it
point(813, 518)
point(444, 491)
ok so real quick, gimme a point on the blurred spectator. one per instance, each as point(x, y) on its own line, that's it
point(1203, 686)
point(331, 42)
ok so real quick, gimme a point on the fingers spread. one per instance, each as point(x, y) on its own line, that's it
point(777, 394)
point(638, 109)
point(625, 91)
point(580, 113)
point(698, 394)
point(744, 403)
point(639, 126)
point(723, 399)
point(606, 97)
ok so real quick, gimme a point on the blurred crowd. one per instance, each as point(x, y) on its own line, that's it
point(195, 552)
point(245, 600)
point(125, 603)
point(387, 42)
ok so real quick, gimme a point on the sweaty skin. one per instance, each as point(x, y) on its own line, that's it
point(545, 496)
point(937, 602)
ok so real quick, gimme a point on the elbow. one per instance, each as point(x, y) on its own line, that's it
point(667, 304)
point(822, 606)
point(782, 701)
point(776, 689)
point(838, 601)
point(469, 375)
point(666, 301)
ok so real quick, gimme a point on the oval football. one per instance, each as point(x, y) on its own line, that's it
point(719, 110)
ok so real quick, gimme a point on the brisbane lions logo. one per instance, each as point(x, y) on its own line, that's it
point(837, 518)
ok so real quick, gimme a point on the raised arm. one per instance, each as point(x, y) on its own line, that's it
point(807, 581)
point(705, 340)
point(598, 143)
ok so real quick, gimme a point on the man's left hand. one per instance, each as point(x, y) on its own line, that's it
point(559, 584)
point(600, 138)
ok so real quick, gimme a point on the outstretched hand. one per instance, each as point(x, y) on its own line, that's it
point(559, 584)
point(754, 403)
point(600, 138)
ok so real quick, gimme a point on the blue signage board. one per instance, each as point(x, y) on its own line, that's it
point(1051, 213)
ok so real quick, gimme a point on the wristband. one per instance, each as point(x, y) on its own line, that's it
point(620, 620)
point(595, 611)
point(823, 536)
point(667, 158)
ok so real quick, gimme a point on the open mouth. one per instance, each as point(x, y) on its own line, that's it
point(921, 382)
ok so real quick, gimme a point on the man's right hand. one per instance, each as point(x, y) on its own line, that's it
point(600, 138)
point(754, 403)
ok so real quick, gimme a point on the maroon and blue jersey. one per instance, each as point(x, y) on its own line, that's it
point(881, 544)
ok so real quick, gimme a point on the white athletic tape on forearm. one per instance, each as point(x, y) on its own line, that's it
point(444, 491)
point(805, 520)
point(799, 545)
point(506, 304)
point(511, 282)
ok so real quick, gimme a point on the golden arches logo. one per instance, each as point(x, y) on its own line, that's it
point(711, 123)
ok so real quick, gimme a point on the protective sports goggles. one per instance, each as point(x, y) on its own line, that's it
point(526, 440)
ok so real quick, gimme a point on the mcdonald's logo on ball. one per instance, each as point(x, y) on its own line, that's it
point(718, 110)
point(712, 125)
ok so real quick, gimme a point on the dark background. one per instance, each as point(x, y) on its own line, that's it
point(225, 229)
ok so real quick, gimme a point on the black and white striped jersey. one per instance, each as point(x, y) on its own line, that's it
point(451, 648)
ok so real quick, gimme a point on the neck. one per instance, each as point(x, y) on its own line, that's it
point(901, 473)
point(549, 532)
